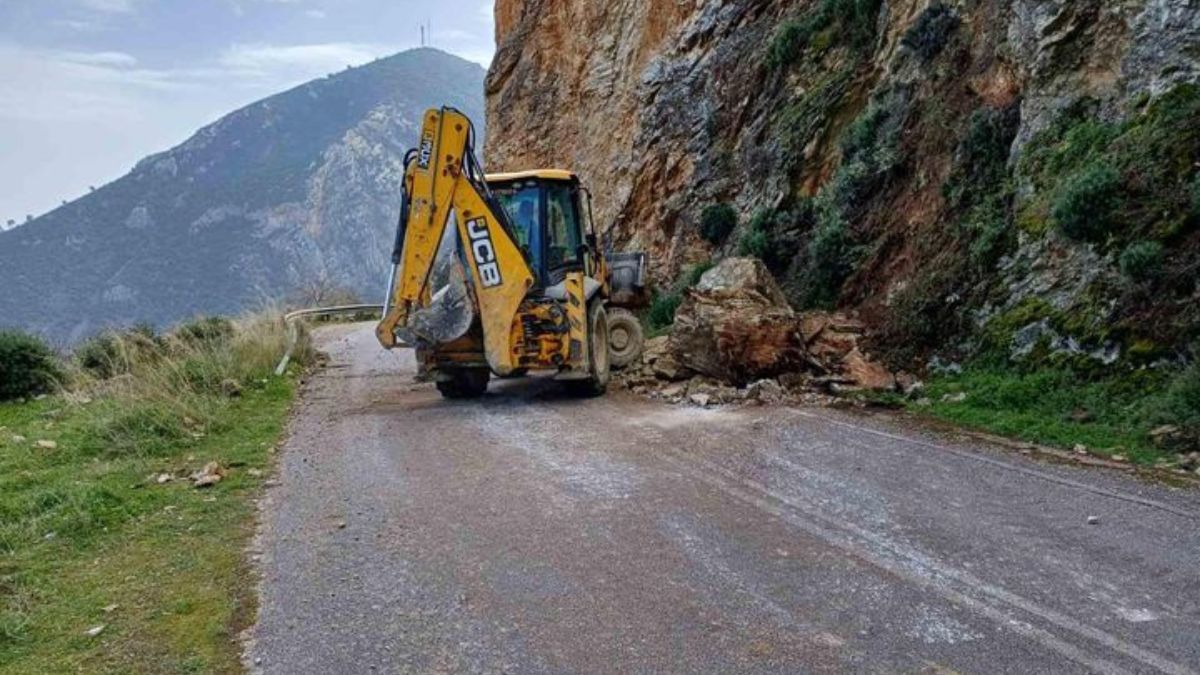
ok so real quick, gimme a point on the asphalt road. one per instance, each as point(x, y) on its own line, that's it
point(530, 533)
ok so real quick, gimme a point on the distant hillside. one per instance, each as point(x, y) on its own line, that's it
point(299, 187)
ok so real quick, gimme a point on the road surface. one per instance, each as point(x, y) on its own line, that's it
point(533, 533)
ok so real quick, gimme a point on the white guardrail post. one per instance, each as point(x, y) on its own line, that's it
point(294, 334)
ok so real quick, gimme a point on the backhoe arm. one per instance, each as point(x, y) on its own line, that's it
point(444, 177)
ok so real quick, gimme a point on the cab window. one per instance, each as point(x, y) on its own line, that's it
point(564, 236)
point(522, 203)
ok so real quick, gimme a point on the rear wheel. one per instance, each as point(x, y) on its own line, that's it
point(600, 371)
point(626, 340)
point(464, 383)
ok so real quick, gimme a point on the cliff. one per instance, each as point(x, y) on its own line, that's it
point(1017, 177)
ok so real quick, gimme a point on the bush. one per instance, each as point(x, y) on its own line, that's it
point(852, 20)
point(717, 221)
point(1142, 260)
point(755, 242)
point(991, 232)
point(1083, 209)
point(789, 42)
point(101, 356)
point(1196, 198)
point(929, 35)
point(831, 258)
point(112, 353)
point(1178, 404)
point(697, 271)
point(981, 160)
point(662, 310)
point(27, 366)
point(210, 329)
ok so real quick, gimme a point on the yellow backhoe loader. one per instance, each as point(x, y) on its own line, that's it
point(518, 283)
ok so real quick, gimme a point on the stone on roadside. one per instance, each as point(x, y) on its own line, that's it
point(955, 398)
point(210, 475)
point(767, 391)
point(701, 400)
point(867, 374)
point(46, 445)
point(95, 630)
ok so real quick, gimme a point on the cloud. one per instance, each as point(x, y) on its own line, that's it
point(315, 13)
point(110, 6)
point(114, 59)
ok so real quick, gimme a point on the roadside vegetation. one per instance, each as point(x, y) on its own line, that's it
point(113, 558)
point(661, 314)
point(1150, 417)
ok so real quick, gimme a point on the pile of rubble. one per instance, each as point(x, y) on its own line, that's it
point(735, 338)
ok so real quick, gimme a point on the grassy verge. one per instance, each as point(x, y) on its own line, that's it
point(1109, 416)
point(100, 527)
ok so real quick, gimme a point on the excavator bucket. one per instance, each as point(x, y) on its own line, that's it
point(449, 312)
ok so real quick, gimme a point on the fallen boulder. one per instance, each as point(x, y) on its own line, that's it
point(736, 325)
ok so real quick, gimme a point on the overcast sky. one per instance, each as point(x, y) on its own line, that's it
point(89, 87)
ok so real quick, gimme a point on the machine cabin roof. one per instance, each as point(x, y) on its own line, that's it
point(540, 174)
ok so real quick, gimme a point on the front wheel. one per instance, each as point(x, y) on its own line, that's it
point(599, 365)
point(626, 339)
point(464, 383)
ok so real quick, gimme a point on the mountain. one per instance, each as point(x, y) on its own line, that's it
point(967, 176)
point(297, 189)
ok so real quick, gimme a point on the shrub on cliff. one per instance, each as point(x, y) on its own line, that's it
point(755, 242)
point(1142, 260)
point(931, 31)
point(980, 187)
point(27, 366)
point(1196, 198)
point(852, 22)
point(1083, 209)
point(717, 221)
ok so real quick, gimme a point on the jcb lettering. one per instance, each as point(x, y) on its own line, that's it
point(484, 253)
point(425, 154)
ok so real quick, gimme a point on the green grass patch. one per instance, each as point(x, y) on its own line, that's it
point(89, 537)
point(661, 314)
point(1056, 407)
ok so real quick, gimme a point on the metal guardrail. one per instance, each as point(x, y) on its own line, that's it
point(294, 334)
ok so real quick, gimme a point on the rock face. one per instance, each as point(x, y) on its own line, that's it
point(898, 159)
point(297, 190)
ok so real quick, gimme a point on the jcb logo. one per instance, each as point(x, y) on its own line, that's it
point(425, 153)
point(484, 253)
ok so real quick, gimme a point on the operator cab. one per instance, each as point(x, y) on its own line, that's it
point(551, 221)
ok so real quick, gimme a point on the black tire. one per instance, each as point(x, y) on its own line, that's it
point(598, 359)
point(465, 383)
point(626, 339)
point(519, 372)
